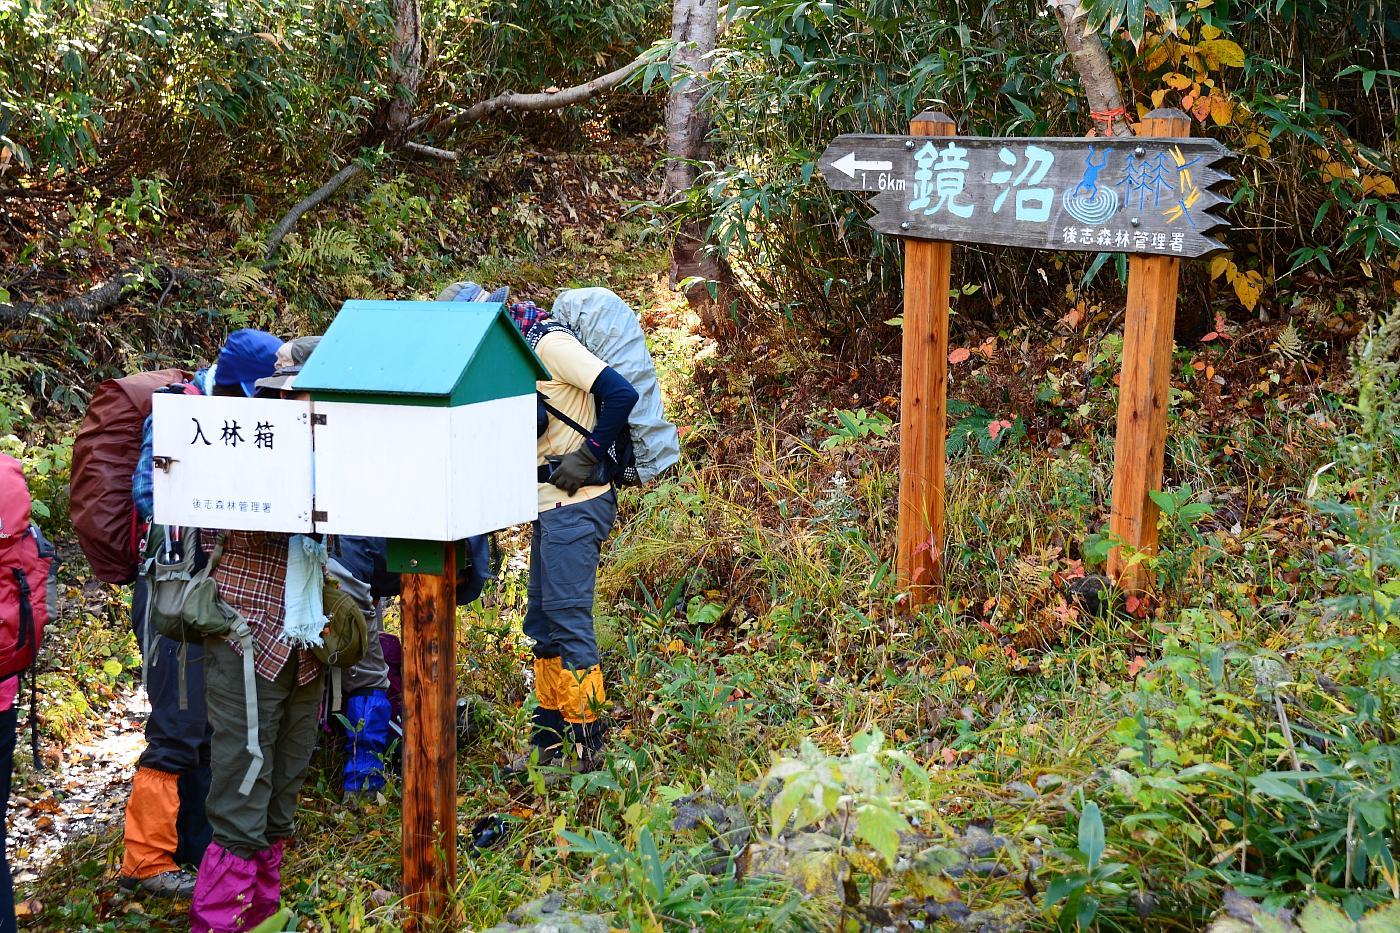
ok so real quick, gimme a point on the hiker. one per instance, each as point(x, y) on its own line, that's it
point(577, 507)
point(275, 582)
point(166, 826)
point(360, 693)
point(28, 600)
point(358, 564)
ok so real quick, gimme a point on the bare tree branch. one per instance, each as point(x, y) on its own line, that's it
point(88, 305)
point(289, 220)
point(432, 152)
point(1096, 76)
point(543, 100)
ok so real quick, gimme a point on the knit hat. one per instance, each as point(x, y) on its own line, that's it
point(470, 291)
point(526, 314)
point(247, 356)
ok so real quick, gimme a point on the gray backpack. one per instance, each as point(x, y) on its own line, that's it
point(183, 604)
point(609, 329)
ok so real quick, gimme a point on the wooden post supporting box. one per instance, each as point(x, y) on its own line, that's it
point(424, 429)
point(429, 842)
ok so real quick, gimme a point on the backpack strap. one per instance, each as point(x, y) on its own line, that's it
point(26, 632)
point(250, 703)
point(564, 418)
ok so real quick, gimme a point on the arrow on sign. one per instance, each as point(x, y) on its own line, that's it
point(848, 164)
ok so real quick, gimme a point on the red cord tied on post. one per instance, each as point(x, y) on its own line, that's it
point(1104, 118)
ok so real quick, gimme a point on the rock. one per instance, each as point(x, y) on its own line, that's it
point(547, 915)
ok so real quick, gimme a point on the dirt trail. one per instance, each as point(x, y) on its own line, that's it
point(86, 794)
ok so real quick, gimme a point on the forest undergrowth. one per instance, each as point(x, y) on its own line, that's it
point(793, 746)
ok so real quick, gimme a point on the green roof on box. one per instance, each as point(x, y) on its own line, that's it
point(440, 353)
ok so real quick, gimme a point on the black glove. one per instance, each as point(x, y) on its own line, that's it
point(573, 471)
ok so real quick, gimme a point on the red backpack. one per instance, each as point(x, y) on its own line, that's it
point(28, 584)
point(104, 457)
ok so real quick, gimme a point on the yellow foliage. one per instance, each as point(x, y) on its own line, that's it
point(1222, 110)
point(1381, 186)
point(1177, 81)
point(1222, 53)
point(1335, 171)
point(1249, 286)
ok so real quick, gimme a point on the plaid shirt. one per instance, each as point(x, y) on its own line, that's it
point(252, 578)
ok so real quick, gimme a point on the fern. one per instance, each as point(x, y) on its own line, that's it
point(337, 245)
point(328, 246)
point(1289, 345)
point(245, 279)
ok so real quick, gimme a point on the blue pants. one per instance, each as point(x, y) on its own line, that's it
point(564, 551)
point(177, 740)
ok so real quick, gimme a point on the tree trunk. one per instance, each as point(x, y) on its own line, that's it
point(1096, 75)
point(694, 24)
point(391, 120)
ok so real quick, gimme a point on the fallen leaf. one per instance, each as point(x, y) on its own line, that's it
point(959, 355)
point(1136, 665)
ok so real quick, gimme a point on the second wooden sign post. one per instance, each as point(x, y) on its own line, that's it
point(1152, 196)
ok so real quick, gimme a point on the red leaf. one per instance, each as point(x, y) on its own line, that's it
point(1136, 665)
point(1132, 603)
point(959, 355)
point(1209, 337)
point(996, 427)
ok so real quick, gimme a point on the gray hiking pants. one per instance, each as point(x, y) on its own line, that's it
point(564, 551)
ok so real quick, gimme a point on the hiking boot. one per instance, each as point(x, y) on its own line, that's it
point(588, 739)
point(545, 742)
point(178, 885)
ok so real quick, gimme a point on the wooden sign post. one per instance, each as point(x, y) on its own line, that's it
point(430, 745)
point(923, 400)
point(1152, 196)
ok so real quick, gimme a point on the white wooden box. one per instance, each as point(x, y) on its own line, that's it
point(394, 471)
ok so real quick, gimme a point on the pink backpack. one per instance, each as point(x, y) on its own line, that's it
point(28, 583)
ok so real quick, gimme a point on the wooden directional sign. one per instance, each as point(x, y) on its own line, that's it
point(1128, 195)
